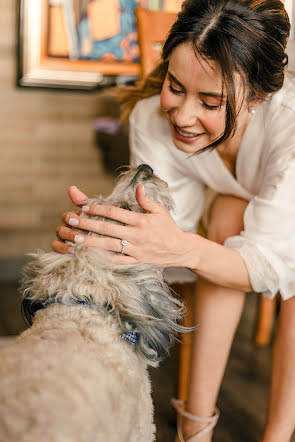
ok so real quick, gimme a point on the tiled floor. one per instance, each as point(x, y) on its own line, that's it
point(244, 391)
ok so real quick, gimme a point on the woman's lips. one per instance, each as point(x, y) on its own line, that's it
point(186, 137)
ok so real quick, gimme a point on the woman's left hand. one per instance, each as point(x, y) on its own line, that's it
point(152, 237)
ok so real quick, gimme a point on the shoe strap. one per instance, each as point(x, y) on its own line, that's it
point(210, 421)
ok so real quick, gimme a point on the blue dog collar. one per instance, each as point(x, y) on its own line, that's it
point(131, 337)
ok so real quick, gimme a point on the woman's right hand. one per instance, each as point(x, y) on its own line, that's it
point(64, 231)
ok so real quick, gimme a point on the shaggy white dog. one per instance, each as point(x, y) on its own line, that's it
point(73, 376)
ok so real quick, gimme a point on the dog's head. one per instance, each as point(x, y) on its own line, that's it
point(136, 296)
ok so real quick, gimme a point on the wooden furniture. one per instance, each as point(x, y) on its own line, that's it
point(152, 27)
point(265, 321)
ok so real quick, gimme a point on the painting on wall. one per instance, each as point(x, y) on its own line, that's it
point(81, 44)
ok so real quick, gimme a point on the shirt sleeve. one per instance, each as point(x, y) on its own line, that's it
point(156, 149)
point(267, 243)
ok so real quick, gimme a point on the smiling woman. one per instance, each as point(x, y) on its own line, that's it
point(196, 111)
point(219, 113)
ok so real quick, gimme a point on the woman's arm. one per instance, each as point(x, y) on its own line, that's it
point(154, 238)
point(216, 263)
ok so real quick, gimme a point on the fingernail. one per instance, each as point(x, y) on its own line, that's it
point(143, 188)
point(79, 239)
point(85, 209)
point(73, 221)
point(71, 249)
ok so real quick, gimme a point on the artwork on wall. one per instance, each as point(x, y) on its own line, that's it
point(80, 44)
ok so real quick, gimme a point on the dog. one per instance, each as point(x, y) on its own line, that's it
point(79, 373)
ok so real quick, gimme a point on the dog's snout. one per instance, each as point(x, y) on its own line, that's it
point(145, 166)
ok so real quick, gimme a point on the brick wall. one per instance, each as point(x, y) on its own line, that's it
point(47, 144)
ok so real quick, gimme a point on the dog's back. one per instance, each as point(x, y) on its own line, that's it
point(70, 377)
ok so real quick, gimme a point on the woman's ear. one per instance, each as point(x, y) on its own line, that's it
point(254, 104)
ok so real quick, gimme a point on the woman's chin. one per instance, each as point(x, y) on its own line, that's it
point(191, 147)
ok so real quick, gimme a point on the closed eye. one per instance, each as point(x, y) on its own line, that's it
point(175, 91)
point(207, 106)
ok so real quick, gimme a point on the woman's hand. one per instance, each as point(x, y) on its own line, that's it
point(63, 232)
point(152, 237)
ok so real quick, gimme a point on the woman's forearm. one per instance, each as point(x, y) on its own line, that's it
point(216, 263)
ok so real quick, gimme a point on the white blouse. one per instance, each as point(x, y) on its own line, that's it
point(265, 175)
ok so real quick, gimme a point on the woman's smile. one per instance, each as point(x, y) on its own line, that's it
point(184, 136)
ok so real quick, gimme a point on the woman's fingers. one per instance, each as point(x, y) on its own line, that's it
point(146, 202)
point(105, 228)
point(116, 213)
point(62, 247)
point(79, 198)
point(67, 215)
point(65, 233)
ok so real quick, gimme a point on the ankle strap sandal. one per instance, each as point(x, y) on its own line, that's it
point(210, 421)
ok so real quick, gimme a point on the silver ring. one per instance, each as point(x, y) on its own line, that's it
point(124, 245)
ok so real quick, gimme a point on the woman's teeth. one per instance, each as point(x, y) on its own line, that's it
point(186, 134)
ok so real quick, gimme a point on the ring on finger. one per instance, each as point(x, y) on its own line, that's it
point(124, 243)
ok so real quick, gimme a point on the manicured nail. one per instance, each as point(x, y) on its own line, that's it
point(79, 239)
point(85, 209)
point(73, 221)
point(71, 249)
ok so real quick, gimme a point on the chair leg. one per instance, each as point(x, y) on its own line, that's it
point(187, 295)
point(265, 321)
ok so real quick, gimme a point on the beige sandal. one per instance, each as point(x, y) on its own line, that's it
point(210, 421)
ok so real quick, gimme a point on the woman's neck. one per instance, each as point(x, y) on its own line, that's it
point(229, 149)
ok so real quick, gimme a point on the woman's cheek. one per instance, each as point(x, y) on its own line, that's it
point(214, 123)
point(166, 100)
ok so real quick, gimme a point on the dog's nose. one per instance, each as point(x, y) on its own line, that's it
point(145, 166)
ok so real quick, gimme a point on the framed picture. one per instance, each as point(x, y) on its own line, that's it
point(80, 44)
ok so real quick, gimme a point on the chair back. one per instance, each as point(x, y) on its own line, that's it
point(153, 27)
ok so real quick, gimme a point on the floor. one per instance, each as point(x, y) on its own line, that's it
point(244, 390)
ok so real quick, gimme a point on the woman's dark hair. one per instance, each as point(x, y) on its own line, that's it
point(244, 36)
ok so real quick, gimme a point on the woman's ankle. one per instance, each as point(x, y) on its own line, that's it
point(190, 429)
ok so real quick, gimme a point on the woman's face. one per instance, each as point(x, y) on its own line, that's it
point(192, 99)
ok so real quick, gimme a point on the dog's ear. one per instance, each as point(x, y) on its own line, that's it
point(153, 312)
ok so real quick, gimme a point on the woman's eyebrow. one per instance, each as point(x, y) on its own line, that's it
point(171, 77)
point(207, 94)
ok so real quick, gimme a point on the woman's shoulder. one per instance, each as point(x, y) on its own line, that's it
point(285, 97)
point(146, 115)
point(277, 116)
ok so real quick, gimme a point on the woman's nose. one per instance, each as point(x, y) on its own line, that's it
point(186, 114)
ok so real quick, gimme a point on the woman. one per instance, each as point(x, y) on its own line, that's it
point(227, 122)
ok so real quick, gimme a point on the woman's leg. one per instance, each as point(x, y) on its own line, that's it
point(281, 413)
point(217, 311)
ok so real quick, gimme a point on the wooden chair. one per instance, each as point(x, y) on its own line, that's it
point(153, 27)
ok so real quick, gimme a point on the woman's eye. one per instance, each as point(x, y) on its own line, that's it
point(173, 90)
point(207, 106)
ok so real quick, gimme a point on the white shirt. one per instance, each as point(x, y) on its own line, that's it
point(265, 175)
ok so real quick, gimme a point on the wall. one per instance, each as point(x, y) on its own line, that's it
point(47, 144)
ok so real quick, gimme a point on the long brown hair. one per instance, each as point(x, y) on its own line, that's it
point(244, 36)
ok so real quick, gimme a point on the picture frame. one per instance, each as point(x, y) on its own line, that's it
point(38, 68)
point(40, 64)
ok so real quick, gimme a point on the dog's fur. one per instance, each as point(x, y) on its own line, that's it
point(70, 377)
